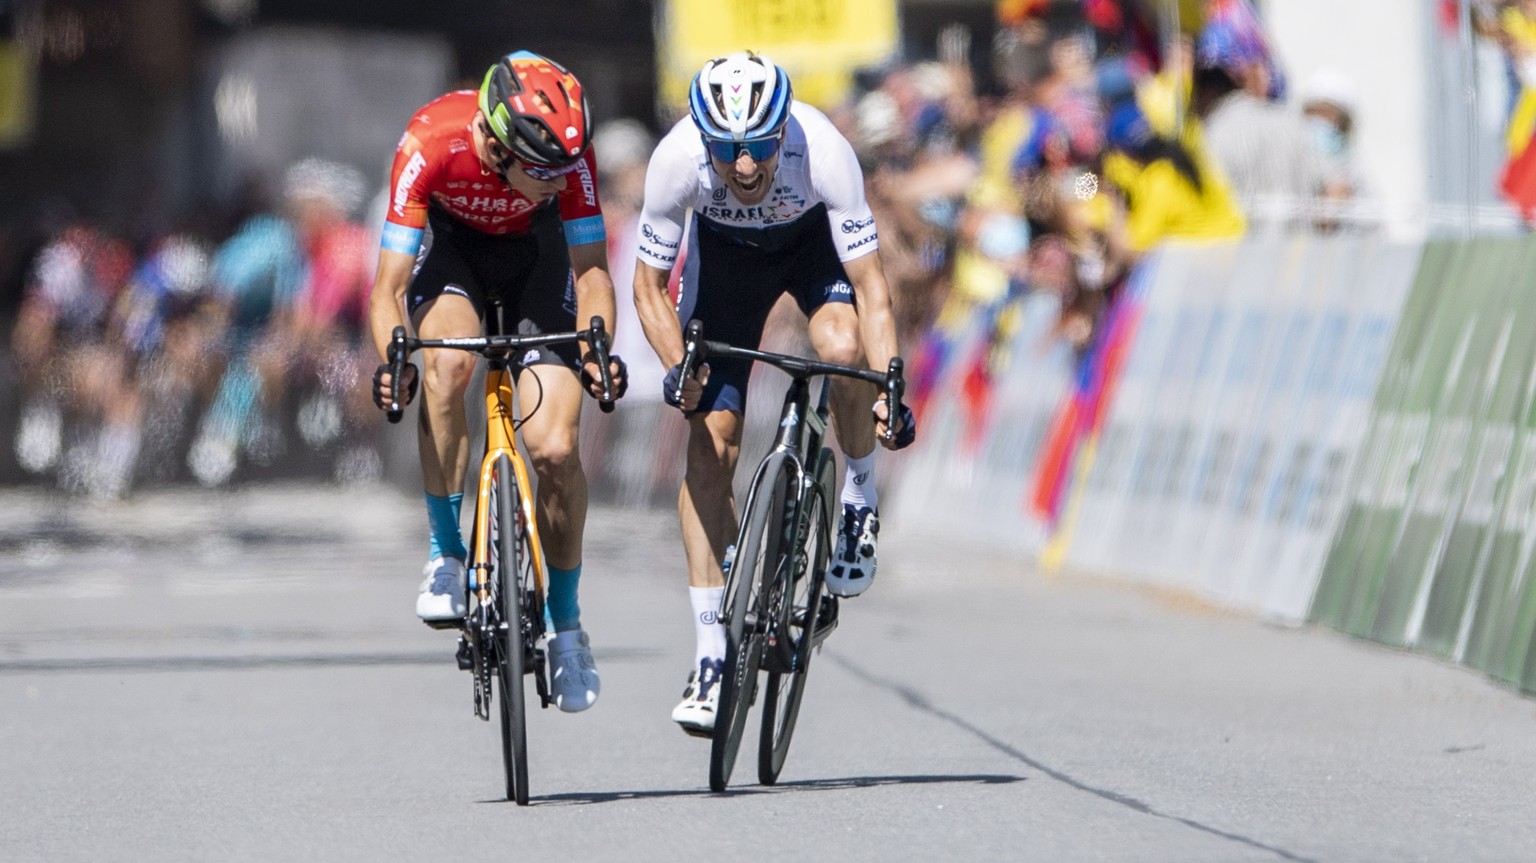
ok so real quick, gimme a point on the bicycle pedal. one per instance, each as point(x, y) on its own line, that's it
point(450, 623)
point(463, 655)
point(702, 733)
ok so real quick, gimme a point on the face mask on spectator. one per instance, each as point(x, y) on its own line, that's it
point(1327, 137)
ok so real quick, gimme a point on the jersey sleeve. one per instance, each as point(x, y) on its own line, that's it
point(671, 184)
point(838, 180)
point(406, 219)
point(580, 209)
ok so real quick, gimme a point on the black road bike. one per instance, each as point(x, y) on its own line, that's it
point(776, 608)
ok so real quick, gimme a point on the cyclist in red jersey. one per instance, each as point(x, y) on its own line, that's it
point(493, 197)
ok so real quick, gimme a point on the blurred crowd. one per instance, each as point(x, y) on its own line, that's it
point(1043, 162)
point(1105, 133)
point(181, 356)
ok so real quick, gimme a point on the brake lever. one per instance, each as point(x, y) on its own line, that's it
point(397, 353)
point(692, 345)
point(597, 338)
point(895, 386)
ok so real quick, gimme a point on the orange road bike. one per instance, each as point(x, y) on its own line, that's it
point(499, 642)
point(776, 608)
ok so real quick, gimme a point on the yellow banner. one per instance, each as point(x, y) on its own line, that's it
point(16, 99)
point(818, 42)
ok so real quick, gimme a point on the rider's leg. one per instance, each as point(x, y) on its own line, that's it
point(834, 333)
point(706, 508)
point(552, 436)
point(443, 440)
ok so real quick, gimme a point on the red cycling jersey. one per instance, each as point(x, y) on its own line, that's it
point(435, 163)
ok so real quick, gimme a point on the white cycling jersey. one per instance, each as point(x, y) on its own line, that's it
point(817, 166)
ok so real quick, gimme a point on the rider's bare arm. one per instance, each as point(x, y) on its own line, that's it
point(594, 286)
point(877, 323)
point(658, 318)
point(386, 305)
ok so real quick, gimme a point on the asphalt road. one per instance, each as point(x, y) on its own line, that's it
point(239, 676)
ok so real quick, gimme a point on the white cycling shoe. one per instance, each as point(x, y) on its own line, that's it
point(853, 562)
point(696, 712)
point(442, 590)
point(572, 672)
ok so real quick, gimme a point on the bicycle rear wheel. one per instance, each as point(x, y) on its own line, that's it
point(797, 622)
point(757, 565)
point(509, 635)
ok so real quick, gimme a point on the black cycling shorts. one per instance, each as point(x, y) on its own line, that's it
point(732, 279)
point(529, 275)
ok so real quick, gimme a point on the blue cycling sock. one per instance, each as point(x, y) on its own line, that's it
point(443, 515)
point(560, 603)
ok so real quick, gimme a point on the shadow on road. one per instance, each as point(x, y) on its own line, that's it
point(782, 787)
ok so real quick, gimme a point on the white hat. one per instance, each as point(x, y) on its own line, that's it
point(1331, 86)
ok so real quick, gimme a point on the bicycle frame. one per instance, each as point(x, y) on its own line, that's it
point(501, 439)
point(801, 431)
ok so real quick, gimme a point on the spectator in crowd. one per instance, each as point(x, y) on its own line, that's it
point(1165, 193)
point(1263, 148)
point(1328, 104)
point(57, 341)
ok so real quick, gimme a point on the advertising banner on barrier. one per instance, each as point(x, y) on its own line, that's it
point(1242, 400)
point(1435, 552)
point(984, 421)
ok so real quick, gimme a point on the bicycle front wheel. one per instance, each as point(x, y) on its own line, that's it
point(509, 635)
point(801, 610)
point(758, 553)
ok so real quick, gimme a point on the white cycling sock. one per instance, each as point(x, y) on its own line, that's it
point(708, 634)
point(859, 481)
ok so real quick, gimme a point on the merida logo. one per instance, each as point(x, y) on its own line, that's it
point(408, 175)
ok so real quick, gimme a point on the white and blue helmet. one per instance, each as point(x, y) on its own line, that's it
point(739, 98)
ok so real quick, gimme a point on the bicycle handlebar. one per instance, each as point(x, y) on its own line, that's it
point(892, 380)
point(401, 346)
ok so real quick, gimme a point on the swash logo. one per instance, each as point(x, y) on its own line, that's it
point(650, 234)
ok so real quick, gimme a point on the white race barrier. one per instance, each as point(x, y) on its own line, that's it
point(1240, 409)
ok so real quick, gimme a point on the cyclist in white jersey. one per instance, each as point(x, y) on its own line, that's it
point(778, 207)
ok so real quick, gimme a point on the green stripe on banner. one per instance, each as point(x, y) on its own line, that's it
point(1454, 355)
point(1480, 426)
point(1350, 585)
point(1493, 621)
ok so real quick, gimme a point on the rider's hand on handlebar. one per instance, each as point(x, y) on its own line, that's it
point(381, 380)
point(591, 377)
point(906, 426)
point(693, 388)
